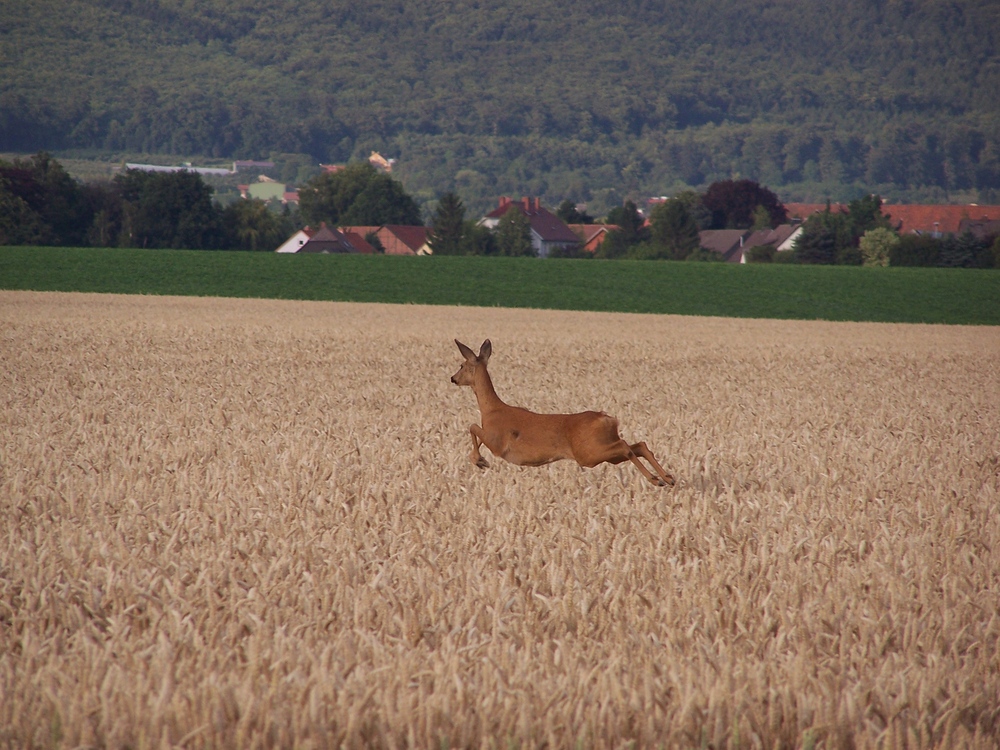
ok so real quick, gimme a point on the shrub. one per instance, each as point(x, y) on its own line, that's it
point(761, 254)
point(876, 246)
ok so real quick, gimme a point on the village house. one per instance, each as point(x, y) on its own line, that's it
point(734, 244)
point(548, 232)
point(591, 235)
point(325, 240)
point(397, 239)
point(912, 219)
point(267, 189)
point(726, 242)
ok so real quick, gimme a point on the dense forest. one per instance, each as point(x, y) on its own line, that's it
point(593, 101)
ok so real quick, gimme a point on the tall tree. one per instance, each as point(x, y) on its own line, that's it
point(513, 234)
point(825, 236)
point(733, 202)
point(359, 195)
point(447, 235)
point(570, 214)
point(674, 230)
point(171, 210)
point(54, 211)
point(251, 225)
point(630, 222)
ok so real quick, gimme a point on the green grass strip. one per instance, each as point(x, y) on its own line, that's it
point(897, 295)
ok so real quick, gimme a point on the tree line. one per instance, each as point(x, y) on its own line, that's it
point(41, 204)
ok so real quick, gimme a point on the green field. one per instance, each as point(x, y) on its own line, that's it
point(900, 295)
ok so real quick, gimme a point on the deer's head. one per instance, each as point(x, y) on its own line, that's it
point(466, 374)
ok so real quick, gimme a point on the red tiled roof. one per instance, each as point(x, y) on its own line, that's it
point(413, 237)
point(592, 235)
point(358, 243)
point(805, 210)
point(545, 224)
point(907, 218)
point(363, 231)
point(945, 219)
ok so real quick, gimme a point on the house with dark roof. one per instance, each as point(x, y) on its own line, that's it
point(323, 240)
point(781, 238)
point(982, 229)
point(396, 239)
point(729, 243)
point(548, 231)
point(327, 240)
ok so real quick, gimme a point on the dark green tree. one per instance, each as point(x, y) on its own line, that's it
point(479, 240)
point(630, 223)
point(570, 214)
point(697, 210)
point(357, 195)
point(915, 250)
point(866, 213)
point(960, 251)
point(447, 235)
point(57, 210)
point(513, 234)
point(733, 203)
point(616, 245)
point(824, 237)
point(674, 230)
point(19, 223)
point(251, 225)
point(168, 210)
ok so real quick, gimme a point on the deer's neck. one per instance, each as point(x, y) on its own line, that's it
point(486, 396)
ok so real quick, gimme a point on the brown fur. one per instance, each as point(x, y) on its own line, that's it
point(525, 438)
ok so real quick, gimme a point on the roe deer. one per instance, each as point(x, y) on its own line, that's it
point(528, 439)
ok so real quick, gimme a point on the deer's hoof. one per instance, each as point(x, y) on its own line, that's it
point(667, 481)
point(482, 463)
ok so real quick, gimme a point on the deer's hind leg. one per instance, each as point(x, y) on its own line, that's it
point(477, 440)
point(641, 449)
point(621, 451)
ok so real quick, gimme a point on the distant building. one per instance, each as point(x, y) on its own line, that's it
point(548, 231)
point(935, 220)
point(396, 239)
point(380, 162)
point(269, 190)
point(241, 165)
point(215, 171)
point(726, 242)
point(324, 240)
point(591, 235)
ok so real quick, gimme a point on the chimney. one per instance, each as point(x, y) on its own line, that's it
point(526, 202)
point(538, 203)
point(504, 200)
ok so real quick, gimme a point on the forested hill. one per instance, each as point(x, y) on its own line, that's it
point(590, 99)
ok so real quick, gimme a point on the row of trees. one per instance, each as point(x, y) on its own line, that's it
point(863, 235)
point(41, 204)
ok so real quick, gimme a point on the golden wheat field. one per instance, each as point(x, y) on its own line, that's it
point(255, 524)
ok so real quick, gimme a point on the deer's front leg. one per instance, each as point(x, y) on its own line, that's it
point(477, 440)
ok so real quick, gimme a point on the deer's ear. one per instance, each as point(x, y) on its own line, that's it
point(466, 351)
point(485, 351)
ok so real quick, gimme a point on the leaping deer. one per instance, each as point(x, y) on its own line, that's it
point(525, 438)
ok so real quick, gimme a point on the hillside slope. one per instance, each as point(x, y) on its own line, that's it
point(560, 99)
